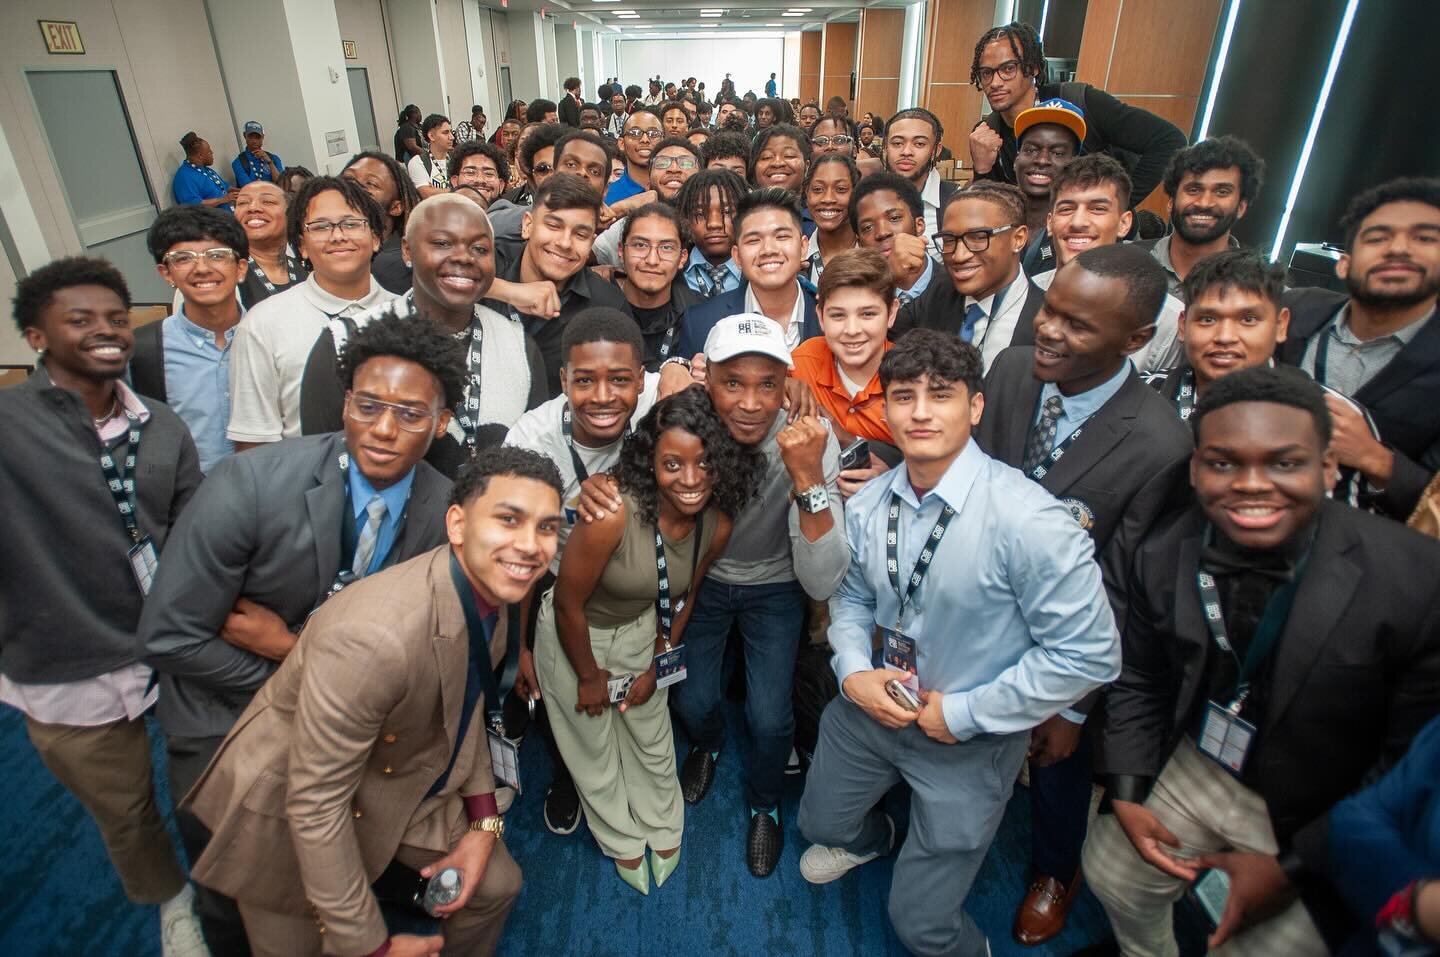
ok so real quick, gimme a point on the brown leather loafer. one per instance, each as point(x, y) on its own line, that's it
point(1043, 911)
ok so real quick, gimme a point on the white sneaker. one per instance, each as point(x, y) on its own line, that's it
point(504, 797)
point(821, 865)
point(180, 934)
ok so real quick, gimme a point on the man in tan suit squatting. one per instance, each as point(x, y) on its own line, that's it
point(338, 771)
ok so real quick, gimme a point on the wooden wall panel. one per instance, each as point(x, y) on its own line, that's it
point(951, 29)
point(878, 97)
point(1097, 41)
point(837, 62)
point(882, 35)
point(810, 42)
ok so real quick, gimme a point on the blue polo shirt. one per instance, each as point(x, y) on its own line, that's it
point(623, 188)
point(195, 184)
point(247, 168)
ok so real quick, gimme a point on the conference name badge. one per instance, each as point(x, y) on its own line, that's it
point(900, 655)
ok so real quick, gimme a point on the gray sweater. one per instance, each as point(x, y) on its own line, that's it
point(766, 545)
point(69, 602)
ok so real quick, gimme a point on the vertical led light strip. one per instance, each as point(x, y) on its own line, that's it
point(1335, 54)
point(1219, 70)
point(1044, 15)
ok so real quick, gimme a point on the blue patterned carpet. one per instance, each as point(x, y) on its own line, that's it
point(60, 896)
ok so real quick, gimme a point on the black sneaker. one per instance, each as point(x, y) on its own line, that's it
point(763, 844)
point(562, 807)
point(697, 775)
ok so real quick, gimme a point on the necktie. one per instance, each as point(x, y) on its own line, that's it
point(365, 548)
point(717, 279)
point(1042, 435)
point(973, 315)
point(905, 297)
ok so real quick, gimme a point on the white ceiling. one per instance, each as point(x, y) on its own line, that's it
point(657, 17)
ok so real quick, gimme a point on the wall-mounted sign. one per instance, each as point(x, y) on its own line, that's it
point(61, 36)
point(334, 142)
point(350, 53)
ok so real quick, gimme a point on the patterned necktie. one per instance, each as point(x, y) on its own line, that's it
point(905, 297)
point(365, 548)
point(717, 279)
point(1042, 435)
point(973, 315)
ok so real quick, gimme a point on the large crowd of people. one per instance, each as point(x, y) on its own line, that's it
point(539, 428)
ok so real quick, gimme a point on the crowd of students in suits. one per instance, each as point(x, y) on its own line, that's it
point(406, 481)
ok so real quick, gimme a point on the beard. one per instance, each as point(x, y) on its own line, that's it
point(1362, 293)
point(1223, 225)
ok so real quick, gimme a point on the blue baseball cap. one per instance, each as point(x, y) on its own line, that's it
point(1056, 110)
point(254, 127)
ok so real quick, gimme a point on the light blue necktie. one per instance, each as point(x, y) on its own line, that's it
point(973, 315)
point(365, 549)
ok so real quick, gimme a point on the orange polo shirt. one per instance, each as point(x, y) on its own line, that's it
point(863, 414)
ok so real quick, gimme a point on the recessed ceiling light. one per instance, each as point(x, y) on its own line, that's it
point(772, 24)
point(713, 26)
point(789, 14)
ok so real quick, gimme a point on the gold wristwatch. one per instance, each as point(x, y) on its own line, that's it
point(495, 824)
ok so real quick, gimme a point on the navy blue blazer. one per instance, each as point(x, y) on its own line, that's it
point(700, 319)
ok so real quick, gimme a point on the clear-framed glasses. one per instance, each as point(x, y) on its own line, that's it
point(839, 139)
point(1007, 70)
point(665, 162)
point(666, 249)
point(636, 133)
point(975, 240)
point(480, 172)
point(365, 409)
point(350, 227)
point(187, 258)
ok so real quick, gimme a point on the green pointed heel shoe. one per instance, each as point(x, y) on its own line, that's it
point(637, 877)
point(663, 867)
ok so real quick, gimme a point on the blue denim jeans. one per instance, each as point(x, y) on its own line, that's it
point(771, 618)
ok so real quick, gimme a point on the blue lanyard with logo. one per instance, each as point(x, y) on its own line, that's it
point(255, 167)
point(144, 561)
point(211, 175)
point(467, 413)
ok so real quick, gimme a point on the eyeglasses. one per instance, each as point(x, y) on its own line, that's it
point(665, 162)
point(542, 169)
point(186, 258)
point(665, 249)
point(1007, 70)
point(636, 134)
point(839, 139)
point(484, 172)
point(975, 240)
point(366, 410)
point(349, 227)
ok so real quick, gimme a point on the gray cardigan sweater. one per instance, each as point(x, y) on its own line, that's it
point(69, 603)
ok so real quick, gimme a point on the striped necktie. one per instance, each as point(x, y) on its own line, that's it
point(365, 548)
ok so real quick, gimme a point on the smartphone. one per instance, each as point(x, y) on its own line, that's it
point(902, 695)
point(620, 687)
point(1211, 892)
point(855, 456)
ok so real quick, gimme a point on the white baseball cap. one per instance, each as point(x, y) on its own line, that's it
point(747, 334)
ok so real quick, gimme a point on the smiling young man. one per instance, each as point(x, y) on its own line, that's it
point(770, 251)
point(1072, 414)
point(1047, 137)
point(888, 215)
point(780, 157)
point(1210, 185)
point(912, 144)
point(674, 161)
point(993, 618)
point(390, 690)
point(448, 244)
point(641, 132)
point(652, 243)
point(1278, 649)
point(1381, 346)
point(80, 561)
point(389, 185)
point(336, 226)
point(985, 297)
point(482, 166)
point(277, 532)
point(1236, 319)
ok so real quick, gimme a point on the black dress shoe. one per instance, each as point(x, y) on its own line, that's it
point(1108, 947)
point(763, 844)
point(697, 775)
point(562, 807)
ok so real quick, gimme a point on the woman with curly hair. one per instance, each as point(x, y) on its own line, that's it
point(609, 639)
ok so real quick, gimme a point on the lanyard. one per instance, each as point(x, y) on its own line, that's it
point(1185, 398)
point(474, 625)
point(209, 174)
point(255, 167)
point(581, 472)
point(122, 484)
point(467, 413)
point(1267, 632)
point(291, 267)
point(1043, 468)
point(922, 564)
point(668, 343)
point(662, 575)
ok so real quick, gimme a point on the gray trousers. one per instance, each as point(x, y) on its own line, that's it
point(958, 797)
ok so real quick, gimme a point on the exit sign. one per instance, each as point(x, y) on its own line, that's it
point(61, 36)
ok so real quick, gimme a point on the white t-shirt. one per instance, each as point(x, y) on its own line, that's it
point(539, 430)
point(437, 177)
point(272, 343)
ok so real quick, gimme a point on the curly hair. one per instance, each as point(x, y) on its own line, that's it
point(418, 340)
point(405, 190)
point(508, 460)
point(778, 131)
point(1281, 385)
point(1406, 189)
point(459, 155)
point(721, 145)
point(1024, 43)
point(1218, 152)
point(352, 192)
point(737, 469)
point(189, 224)
point(37, 290)
point(693, 200)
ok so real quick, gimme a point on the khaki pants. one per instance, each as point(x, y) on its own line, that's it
point(107, 768)
point(1209, 810)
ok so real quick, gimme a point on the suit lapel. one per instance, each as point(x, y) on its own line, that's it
point(325, 506)
point(450, 644)
point(812, 322)
point(1417, 355)
point(1024, 334)
point(1191, 631)
point(1102, 432)
point(1019, 417)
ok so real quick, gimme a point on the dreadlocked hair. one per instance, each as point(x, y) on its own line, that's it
point(1024, 42)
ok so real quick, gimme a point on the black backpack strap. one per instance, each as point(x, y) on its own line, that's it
point(147, 361)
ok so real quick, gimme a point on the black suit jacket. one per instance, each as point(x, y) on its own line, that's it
point(266, 526)
point(1355, 675)
point(1402, 398)
point(1117, 479)
point(942, 307)
point(569, 110)
point(701, 318)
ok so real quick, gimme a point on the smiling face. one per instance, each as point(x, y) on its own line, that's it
point(587, 160)
point(984, 273)
point(341, 257)
point(85, 332)
point(453, 255)
point(1086, 216)
point(683, 472)
point(780, 163)
point(203, 283)
point(653, 269)
point(1207, 205)
point(374, 177)
point(260, 208)
point(829, 128)
point(383, 451)
point(714, 230)
point(828, 197)
point(931, 419)
point(675, 121)
point(881, 216)
point(642, 132)
point(747, 392)
point(1259, 472)
point(769, 248)
point(910, 147)
point(1395, 258)
point(854, 321)
point(602, 383)
point(1081, 339)
point(506, 536)
point(558, 241)
point(680, 164)
point(1042, 152)
point(1227, 329)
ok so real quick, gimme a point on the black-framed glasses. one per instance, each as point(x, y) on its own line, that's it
point(187, 258)
point(367, 410)
point(975, 240)
point(665, 162)
point(666, 249)
point(349, 227)
point(839, 139)
point(635, 134)
point(1007, 70)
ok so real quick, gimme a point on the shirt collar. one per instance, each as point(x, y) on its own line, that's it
point(931, 194)
point(697, 258)
point(394, 497)
point(1404, 335)
point(1005, 292)
point(796, 325)
point(200, 334)
point(334, 305)
point(918, 288)
point(1080, 407)
point(954, 486)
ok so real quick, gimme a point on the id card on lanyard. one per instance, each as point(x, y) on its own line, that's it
point(670, 663)
point(144, 561)
point(504, 753)
point(901, 652)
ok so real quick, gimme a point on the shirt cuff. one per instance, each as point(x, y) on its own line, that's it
point(958, 718)
point(847, 663)
point(1073, 716)
point(480, 806)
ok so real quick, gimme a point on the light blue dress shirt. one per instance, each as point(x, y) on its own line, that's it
point(697, 273)
point(1076, 409)
point(197, 384)
point(921, 284)
point(394, 497)
point(1011, 624)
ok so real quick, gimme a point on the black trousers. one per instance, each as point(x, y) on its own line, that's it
point(219, 916)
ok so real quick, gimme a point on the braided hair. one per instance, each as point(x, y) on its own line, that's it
point(1024, 42)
